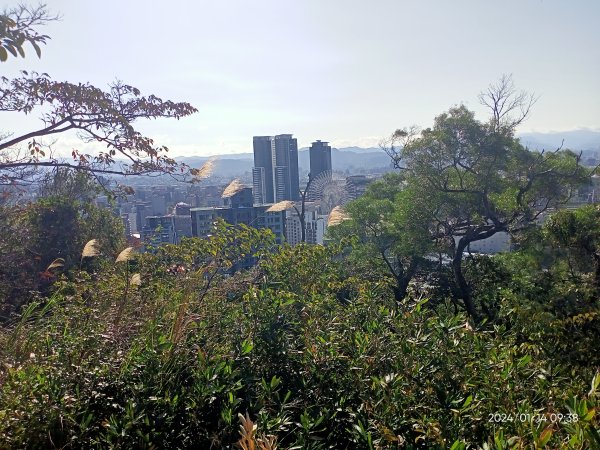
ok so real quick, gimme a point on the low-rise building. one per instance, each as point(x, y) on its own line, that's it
point(159, 230)
point(238, 210)
point(315, 225)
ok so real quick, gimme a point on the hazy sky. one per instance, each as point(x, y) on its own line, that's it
point(345, 71)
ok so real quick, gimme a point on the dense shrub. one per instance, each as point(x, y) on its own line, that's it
point(36, 234)
point(311, 356)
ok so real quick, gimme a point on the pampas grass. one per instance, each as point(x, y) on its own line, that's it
point(337, 216)
point(205, 171)
point(125, 255)
point(135, 280)
point(281, 206)
point(233, 188)
point(92, 248)
point(57, 263)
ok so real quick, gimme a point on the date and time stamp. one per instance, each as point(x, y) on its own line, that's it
point(533, 417)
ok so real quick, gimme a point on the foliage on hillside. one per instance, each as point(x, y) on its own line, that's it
point(314, 347)
point(167, 350)
point(52, 229)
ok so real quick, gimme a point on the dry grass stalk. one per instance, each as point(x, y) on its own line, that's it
point(180, 323)
point(247, 430)
point(125, 255)
point(281, 206)
point(92, 248)
point(233, 188)
point(206, 170)
point(57, 263)
point(337, 216)
point(135, 280)
point(248, 440)
point(267, 442)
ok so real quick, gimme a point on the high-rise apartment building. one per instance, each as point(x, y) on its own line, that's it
point(262, 173)
point(275, 173)
point(320, 158)
point(286, 182)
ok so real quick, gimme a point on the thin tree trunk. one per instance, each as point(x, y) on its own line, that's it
point(302, 214)
point(302, 224)
point(401, 288)
point(403, 280)
point(597, 271)
point(461, 283)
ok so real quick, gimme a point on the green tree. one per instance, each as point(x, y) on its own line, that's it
point(72, 184)
point(43, 231)
point(574, 235)
point(478, 180)
point(391, 232)
point(102, 117)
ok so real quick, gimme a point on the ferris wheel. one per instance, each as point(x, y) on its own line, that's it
point(330, 190)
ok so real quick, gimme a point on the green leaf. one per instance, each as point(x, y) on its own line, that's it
point(3, 54)
point(275, 382)
point(467, 401)
point(458, 445)
point(589, 416)
point(37, 49)
point(524, 361)
point(246, 347)
point(544, 437)
point(595, 384)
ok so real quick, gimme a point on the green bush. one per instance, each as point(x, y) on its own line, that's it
point(312, 356)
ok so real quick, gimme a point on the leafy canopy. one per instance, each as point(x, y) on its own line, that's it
point(17, 26)
point(390, 233)
point(476, 179)
point(483, 180)
point(104, 117)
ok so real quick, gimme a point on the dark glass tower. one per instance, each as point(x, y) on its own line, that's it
point(286, 181)
point(275, 174)
point(320, 158)
point(262, 173)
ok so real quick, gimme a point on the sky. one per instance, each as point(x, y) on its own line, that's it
point(345, 71)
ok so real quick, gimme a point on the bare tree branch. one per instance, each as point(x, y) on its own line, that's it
point(508, 106)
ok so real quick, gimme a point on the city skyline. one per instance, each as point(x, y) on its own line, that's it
point(345, 70)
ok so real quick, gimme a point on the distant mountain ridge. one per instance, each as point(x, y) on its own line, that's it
point(356, 160)
point(351, 159)
point(579, 140)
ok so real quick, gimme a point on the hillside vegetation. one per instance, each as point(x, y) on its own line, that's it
point(394, 335)
point(307, 350)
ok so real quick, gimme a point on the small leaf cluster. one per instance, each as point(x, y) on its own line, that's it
point(18, 26)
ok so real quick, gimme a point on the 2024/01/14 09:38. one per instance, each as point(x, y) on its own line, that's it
point(533, 417)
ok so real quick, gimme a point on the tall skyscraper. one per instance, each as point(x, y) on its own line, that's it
point(275, 174)
point(286, 182)
point(320, 158)
point(262, 173)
